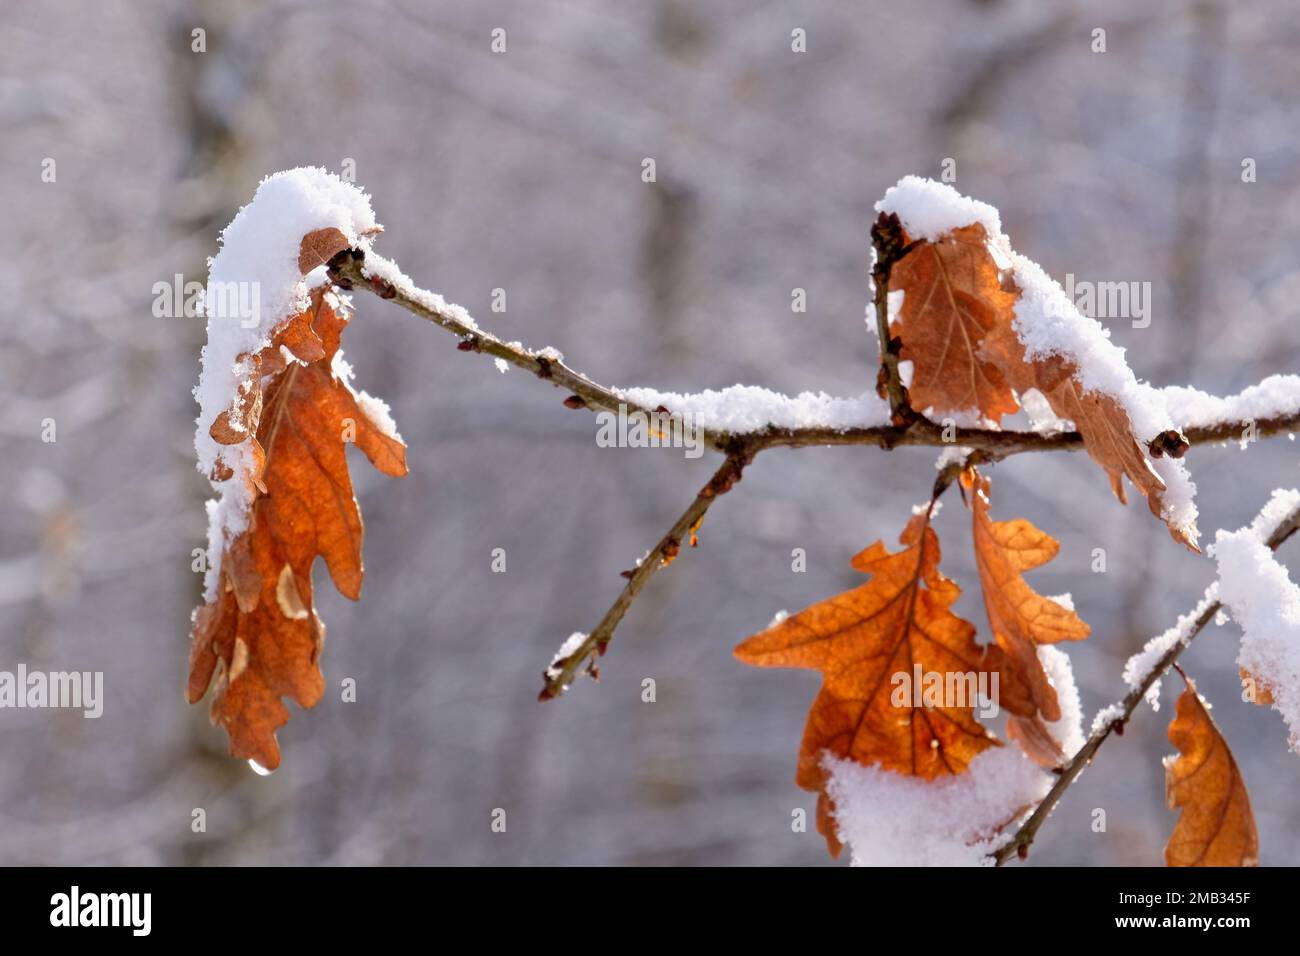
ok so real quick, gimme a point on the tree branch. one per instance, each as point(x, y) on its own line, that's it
point(1020, 842)
point(352, 268)
point(348, 270)
point(564, 670)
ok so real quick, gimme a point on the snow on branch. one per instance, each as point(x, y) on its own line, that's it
point(750, 410)
point(759, 417)
point(1275, 398)
point(1139, 668)
point(1265, 602)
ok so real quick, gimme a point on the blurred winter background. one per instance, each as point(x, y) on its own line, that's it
point(522, 171)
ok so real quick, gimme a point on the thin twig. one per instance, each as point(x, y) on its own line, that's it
point(887, 240)
point(1020, 842)
point(563, 671)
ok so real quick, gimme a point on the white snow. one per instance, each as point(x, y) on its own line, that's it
point(1266, 605)
point(952, 455)
point(889, 819)
point(905, 370)
point(893, 306)
point(386, 269)
point(1068, 730)
point(965, 418)
point(1274, 397)
point(1276, 510)
point(742, 409)
point(379, 267)
point(1105, 717)
point(1066, 600)
point(380, 415)
point(1048, 324)
point(1139, 666)
point(253, 285)
point(1041, 417)
point(1178, 503)
point(567, 649)
point(928, 209)
point(341, 368)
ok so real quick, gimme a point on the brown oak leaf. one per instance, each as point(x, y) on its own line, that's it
point(1216, 826)
point(1107, 431)
point(956, 326)
point(319, 247)
point(1035, 740)
point(1021, 619)
point(953, 300)
point(260, 640)
point(898, 621)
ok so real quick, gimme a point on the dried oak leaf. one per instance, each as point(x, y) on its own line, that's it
point(1021, 619)
point(1216, 827)
point(1107, 431)
point(956, 327)
point(899, 620)
point(261, 638)
point(1036, 741)
point(319, 247)
point(953, 300)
